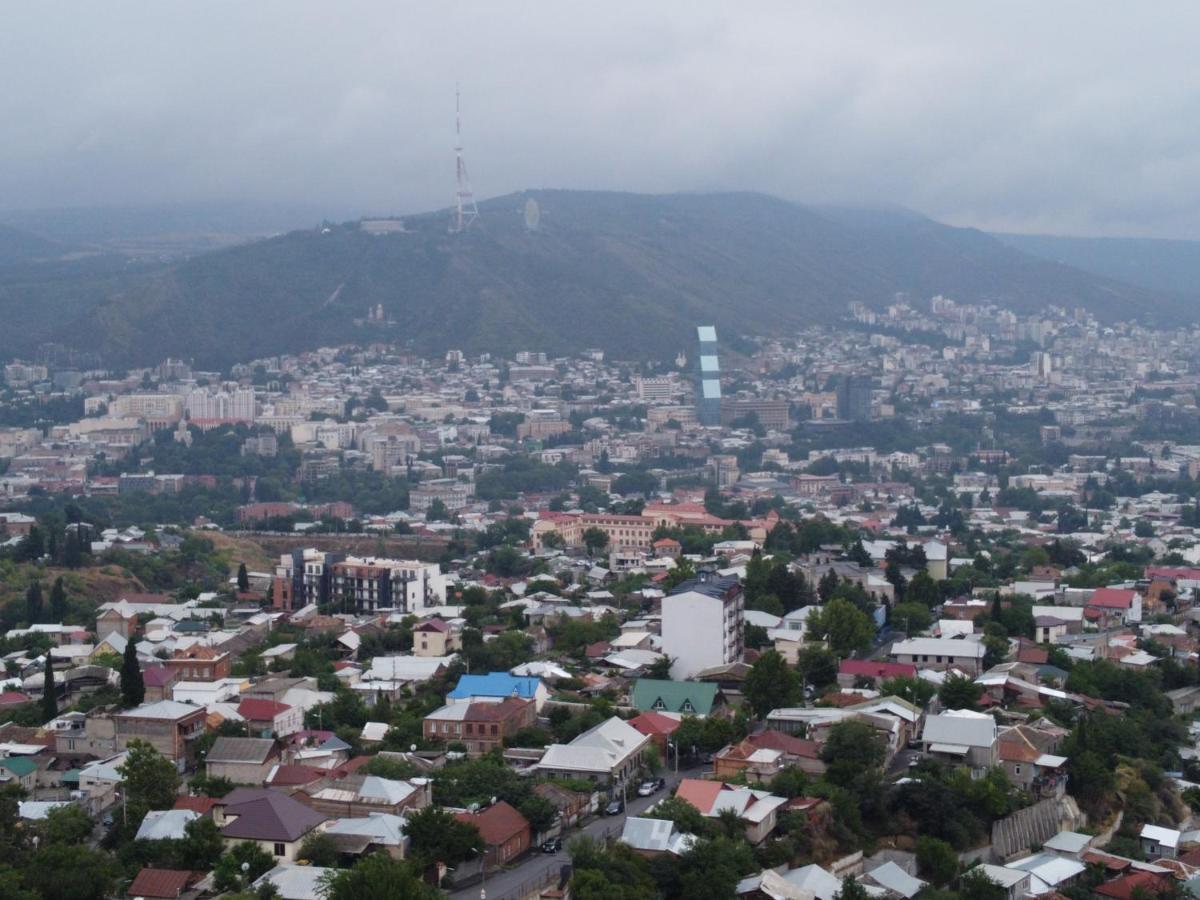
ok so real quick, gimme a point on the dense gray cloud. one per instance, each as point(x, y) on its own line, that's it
point(1057, 117)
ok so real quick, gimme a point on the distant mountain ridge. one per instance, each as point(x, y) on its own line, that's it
point(630, 273)
point(1153, 263)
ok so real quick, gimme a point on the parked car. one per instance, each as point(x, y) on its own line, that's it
point(552, 846)
point(615, 807)
point(650, 786)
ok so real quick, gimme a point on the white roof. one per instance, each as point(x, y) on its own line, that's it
point(599, 749)
point(1168, 837)
point(374, 731)
point(406, 668)
point(762, 619)
point(539, 670)
point(953, 728)
point(1003, 876)
point(921, 646)
point(165, 824)
point(1068, 842)
point(162, 709)
point(382, 828)
point(296, 882)
point(38, 809)
point(895, 879)
point(1051, 869)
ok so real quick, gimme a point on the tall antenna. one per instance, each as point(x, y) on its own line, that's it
point(465, 210)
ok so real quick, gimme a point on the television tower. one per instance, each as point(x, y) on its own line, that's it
point(465, 210)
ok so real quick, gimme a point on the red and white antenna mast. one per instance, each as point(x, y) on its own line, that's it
point(465, 210)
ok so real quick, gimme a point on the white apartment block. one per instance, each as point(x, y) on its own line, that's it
point(703, 625)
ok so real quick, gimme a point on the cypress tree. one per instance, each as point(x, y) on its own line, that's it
point(243, 578)
point(58, 600)
point(133, 685)
point(73, 550)
point(33, 603)
point(49, 694)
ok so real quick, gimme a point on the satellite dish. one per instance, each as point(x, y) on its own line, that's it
point(533, 215)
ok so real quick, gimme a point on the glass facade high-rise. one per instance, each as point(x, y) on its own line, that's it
point(708, 387)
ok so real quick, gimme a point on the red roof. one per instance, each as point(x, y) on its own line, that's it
point(497, 824)
point(787, 743)
point(159, 883)
point(869, 668)
point(261, 710)
point(286, 776)
point(653, 723)
point(1033, 655)
point(699, 793)
point(1123, 887)
point(1112, 598)
point(202, 805)
point(433, 625)
point(13, 698)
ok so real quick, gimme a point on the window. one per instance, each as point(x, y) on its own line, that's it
point(280, 850)
point(1016, 770)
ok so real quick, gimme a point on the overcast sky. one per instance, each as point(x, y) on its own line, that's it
point(1069, 118)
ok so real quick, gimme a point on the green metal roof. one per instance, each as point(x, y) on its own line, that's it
point(20, 766)
point(688, 697)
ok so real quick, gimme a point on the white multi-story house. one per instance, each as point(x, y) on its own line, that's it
point(940, 654)
point(703, 624)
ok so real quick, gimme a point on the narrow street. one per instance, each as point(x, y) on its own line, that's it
point(532, 871)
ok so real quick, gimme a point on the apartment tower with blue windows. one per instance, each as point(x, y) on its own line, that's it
point(708, 389)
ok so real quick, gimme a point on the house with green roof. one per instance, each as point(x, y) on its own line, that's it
point(688, 698)
point(18, 770)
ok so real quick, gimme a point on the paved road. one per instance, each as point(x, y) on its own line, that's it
point(512, 883)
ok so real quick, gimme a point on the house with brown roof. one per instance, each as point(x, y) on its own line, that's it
point(164, 884)
point(435, 637)
point(506, 833)
point(277, 823)
point(658, 727)
point(757, 809)
point(269, 719)
point(1042, 774)
point(793, 751)
point(200, 663)
point(480, 725)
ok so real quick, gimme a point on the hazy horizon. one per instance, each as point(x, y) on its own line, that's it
point(1072, 119)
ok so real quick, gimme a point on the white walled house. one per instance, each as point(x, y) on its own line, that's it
point(703, 624)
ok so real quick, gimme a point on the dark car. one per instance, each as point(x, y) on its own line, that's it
point(552, 846)
point(615, 807)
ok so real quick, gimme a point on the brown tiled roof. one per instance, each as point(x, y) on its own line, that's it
point(789, 744)
point(651, 722)
point(496, 712)
point(497, 824)
point(285, 776)
point(201, 805)
point(159, 883)
point(1122, 888)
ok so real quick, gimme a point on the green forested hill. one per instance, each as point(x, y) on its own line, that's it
point(630, 273)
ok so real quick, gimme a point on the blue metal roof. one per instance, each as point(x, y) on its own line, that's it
point(495, 684)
